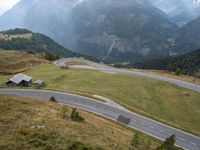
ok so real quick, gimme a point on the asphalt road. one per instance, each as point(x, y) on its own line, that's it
point(143, 124)
point(104, 68)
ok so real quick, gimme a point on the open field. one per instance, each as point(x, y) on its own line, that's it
point(10, 37)
point(164, 73)
point(13, 62)
point(19, 114)
point(162, 101)
point(171, 75)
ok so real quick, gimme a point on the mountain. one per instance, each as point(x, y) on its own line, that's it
point(180, 11)
point(188, 37)
point(119, 31)
point(188, 63)
point(25, 40)
point(124, 31)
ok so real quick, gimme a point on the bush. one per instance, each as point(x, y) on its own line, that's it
point(52, 99)
point(50, 56)
point(134, 142)
point(137, 143)
point(64, 111)
point(178, 71)
point(75, 115)
point(168, 144)
point(78, 146)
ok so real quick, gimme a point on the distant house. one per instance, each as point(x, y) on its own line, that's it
point(39, 83)
point(19, 80)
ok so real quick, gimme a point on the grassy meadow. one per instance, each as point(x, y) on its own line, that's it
point(13, 62)
point(14, 36)
point(159, 100)
point(19, 114)
point(165, 102)
point(173, 75)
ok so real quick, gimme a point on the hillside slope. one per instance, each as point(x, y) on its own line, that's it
point(188, 37)
point(110, 30)
point(148, 97)
point(120, 31)
point(188, 63)
point(12, 62)
point(25, 40)
point(19, 115)
point(180, 11)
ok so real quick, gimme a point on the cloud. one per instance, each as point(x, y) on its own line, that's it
point(6, 4)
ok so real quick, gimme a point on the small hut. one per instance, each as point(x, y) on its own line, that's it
point(39, 83)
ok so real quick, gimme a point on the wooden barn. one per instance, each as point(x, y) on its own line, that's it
point(19, 80)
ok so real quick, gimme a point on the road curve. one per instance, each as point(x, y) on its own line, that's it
point(138, 122)
point(103, 68)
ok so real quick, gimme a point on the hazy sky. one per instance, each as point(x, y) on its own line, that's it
point(6, 4)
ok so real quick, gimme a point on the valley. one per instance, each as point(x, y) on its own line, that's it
point(100, 75)
point(114, 32)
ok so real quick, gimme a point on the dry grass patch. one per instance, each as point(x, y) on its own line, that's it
point(12, 62)
point(71, 63)
point(19, 114)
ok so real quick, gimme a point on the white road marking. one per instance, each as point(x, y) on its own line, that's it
point(181, 139)
point(151, 127)
point(133, 120)
point(161, 131)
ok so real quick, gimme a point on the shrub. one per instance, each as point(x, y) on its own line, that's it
point(137, 143)
point(78, 146)
point(168, 144)
point(178, 71)
point(52, 99)
point(64, 111)
point(75, 115)
point(134, 142)
point(48, 55)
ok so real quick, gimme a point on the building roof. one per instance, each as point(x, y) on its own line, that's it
point(19, 78)
point(39, 82)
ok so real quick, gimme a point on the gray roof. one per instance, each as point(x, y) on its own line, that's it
point(39, 82)
point(19, 78)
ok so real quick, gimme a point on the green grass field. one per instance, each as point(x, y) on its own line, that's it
point(158, 100)
point(19, 114)
point(162, 101)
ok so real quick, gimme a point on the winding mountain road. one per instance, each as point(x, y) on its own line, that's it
point(104, 68)
point(138, 122)
point(154, 128)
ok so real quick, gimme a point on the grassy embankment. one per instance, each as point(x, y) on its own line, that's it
point(19, 114)
point(173, 75)
point(164, 73)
